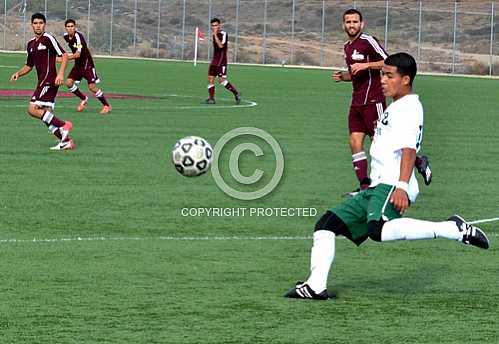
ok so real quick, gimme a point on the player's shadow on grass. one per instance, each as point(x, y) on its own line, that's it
point(417, 278)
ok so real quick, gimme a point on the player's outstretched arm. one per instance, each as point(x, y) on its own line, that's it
point(399, 197)
point(23, 71)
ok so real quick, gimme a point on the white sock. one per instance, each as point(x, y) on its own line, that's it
point(412, 229)
point(321, 258)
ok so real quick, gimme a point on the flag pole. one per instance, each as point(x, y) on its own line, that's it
point(196, 46)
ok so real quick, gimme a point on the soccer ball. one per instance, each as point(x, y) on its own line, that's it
point(192, 156)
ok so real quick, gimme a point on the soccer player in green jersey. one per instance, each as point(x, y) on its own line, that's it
point(376, 212)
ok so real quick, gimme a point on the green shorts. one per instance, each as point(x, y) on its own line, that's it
point(372, 204)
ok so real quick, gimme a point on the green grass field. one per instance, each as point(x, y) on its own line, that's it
point(94, 247)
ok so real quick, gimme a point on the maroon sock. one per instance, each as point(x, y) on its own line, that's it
point(359, 161)
point(100, 95)
point(57, 133)
point(78, 93)
point(57, 122)
point(231, 88)
point(49, 119)
point(211, 91)
point(103, 100)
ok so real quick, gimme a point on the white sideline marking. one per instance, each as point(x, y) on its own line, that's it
point(168, 238)
point(13, 67)
point(484, 220)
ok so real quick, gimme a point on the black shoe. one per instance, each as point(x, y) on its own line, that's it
point(238, 98)
point(303, 291)
point(209, 101)
point(424, 169)
point(471, 235)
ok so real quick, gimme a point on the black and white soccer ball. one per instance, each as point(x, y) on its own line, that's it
point(192, 156)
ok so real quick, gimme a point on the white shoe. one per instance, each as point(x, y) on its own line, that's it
point(64, 145)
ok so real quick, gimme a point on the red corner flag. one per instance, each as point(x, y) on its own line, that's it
point(200, 35)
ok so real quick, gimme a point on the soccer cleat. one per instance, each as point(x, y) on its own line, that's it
point(105, 109)
point(424, 169)
point(303, 291)
point(471, 235)
point(82, 105)
point(238, 98)
point(64, 145)
point(209, 101)
point(65, 129)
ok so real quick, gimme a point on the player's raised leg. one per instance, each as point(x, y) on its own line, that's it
point(455, 228)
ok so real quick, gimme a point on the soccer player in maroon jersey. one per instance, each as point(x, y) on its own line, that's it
point(364, 57)
point(84, 67)
point(218, 65)
point(42, 51)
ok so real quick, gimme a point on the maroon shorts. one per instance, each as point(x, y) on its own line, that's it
point(362, 118)
point(90, 74)
point(220, 71)
point(44, 95)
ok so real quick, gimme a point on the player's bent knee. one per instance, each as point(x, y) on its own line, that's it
point(330, 222)
point(374, 230)
point(35, 111)
point(356, 145)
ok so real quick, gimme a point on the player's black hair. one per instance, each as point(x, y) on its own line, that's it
point(70, 21)
point(38, 15)
point(352, 11)
point(405, 63)
point(215, 20)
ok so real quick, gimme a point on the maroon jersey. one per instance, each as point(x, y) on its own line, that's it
point(42, 53)
point(366, 83)
point(78, 43)
point(220, 54)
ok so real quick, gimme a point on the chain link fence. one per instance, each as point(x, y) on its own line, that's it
point(445, 36)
